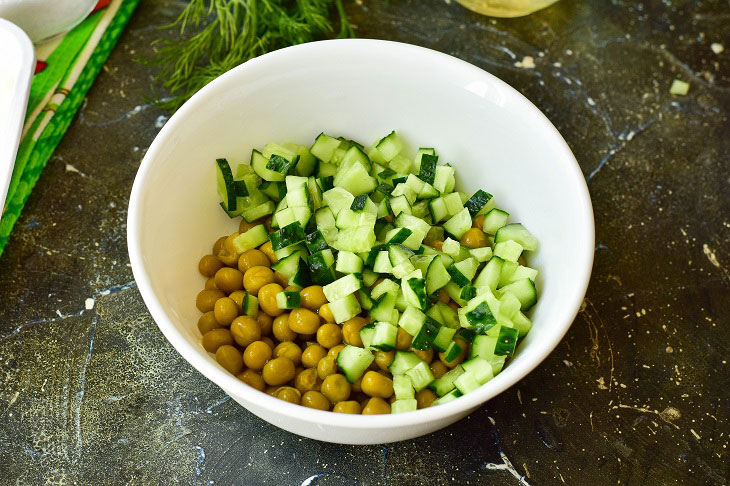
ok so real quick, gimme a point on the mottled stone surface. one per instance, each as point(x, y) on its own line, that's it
point(637, 393)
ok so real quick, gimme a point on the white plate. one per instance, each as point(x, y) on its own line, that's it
point(17, 62)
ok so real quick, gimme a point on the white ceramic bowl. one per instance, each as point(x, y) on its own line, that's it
point(360, 89)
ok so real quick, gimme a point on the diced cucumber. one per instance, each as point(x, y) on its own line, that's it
point(353, 362)
point(453, 352)
point(389, 146)
point(356, 240)
point(324, 147)
point(342, 287)
point(428, 332)
point(524, 290)
point(463, 272)
point(226, 186)
point(453, 204)
point(414, 291)
point(466, 383)
point(337, 199)
point(458, 224)
point(348, 262)
point(405, 405)
point(399, 204)
point(402, 387)
point(449, 397)
point(387, 286)
point(385, 335)
point(480, 313)
point(367, 333)
point(506, 341)
point(448, 315)
point(481, 254)
point(250, 305)
point(495, 219)
point(288, 300)
point(382, 309)
point(489, 276)
point(420, 375)
point(444, 179)
point(401, 164)
point(480, 368)
point(315, 241)
point(427, 168)
point(252, 238)
point(355, 179)
point(445, 384)
point(443, 339)
point(286, 236)
point(412, 320)
point(517, 233)
point(508, 250)
point(382, 263)
point(345, 308)
point(477, 202)
point(258, 212)
point(259, 163)
point(403, 361)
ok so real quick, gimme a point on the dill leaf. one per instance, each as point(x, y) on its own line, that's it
point(218, 35)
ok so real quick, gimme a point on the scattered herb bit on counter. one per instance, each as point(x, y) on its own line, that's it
point(679, 88)
point(360, 281)
point(226, 33)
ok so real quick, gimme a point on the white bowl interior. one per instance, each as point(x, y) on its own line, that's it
point(361, 89)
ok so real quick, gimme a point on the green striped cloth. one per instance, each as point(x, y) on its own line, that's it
point(71, 65)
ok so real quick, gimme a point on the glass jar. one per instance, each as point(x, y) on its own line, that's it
point(505, 8)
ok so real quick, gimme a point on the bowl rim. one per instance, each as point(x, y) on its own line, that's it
point(226, 381)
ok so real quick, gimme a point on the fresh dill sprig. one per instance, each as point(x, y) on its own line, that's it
point(218, 35)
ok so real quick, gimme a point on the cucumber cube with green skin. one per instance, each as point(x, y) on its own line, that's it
point(252, 238)
point(477, 202)
point(387, 286)
point(367, 333)
point(427, 170)
point(508, 250)
point(281, 165)
point(286, 236)
point(315, 242)
point(250, 305)
point(402, 387)
point(494, 220)
point(355, 179)
point(353, 362)
point(342, 287)
point(480, 313)
point(517, 233)
point(345, 308)
point(402, 362)
point(288, 300)
point(445, 384)
point(324, 147)
point(414, 291)
point(338, 198)
point(226, 186)
point(458, 224)
point(389, 146)
point(420, 375)
point(428, 332)
point(452, 352)
point(412, 320)
point(506, 341)
point(524, 290)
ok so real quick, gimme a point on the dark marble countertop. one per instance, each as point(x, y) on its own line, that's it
point(637, 392)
